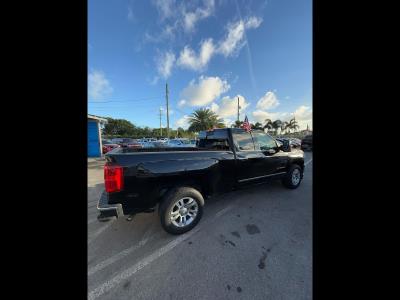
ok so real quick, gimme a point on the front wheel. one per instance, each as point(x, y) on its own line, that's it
point(181, 210)
point(293, 177)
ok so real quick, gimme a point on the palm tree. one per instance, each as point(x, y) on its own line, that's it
point(276, 125)
point(284, 126)
point(238, 124)
point(257, 126)
point(293, 124)
point(268, 124)
point(204, 119)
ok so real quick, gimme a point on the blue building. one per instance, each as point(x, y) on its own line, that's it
point(94, 135)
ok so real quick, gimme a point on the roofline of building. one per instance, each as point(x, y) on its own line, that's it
point(97, 118)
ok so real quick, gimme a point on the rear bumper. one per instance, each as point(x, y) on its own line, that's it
point(108, 210)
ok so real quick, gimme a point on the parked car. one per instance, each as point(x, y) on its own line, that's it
point(134, 144)
point(193, 142)
point(107, 146)
point(159, 144)
point(295, 142)
point(306, 142)
point(163, 140)
point(116, 140)
point(148, 144)
point(177, 143)
point(125, 141)
point(177, 182)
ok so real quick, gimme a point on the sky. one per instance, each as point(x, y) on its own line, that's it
point(210, 52)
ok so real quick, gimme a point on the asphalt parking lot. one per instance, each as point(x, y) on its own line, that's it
point(254, 243)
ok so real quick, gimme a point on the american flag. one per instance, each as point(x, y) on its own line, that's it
point(246, 124)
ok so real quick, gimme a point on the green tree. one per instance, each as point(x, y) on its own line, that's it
point(293, 124)
point(284, 126)
point(256, 126)
point(276, 125)
point(204, 119)
point(268, 124)
point(181, 132)
point(238, 124)
point(118, 127)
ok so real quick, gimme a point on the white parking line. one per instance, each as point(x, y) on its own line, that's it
point(120, 255)
point(308, 162)
point(98, 232)
point(108, 285)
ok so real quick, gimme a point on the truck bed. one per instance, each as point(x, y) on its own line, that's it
point(126, 150)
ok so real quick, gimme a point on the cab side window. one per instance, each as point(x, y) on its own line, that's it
point(263, 141)
point(243, 141)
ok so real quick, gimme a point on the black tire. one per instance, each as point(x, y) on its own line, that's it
point(168, 203)
point(288, 180)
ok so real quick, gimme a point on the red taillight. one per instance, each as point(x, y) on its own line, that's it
point(113, 178)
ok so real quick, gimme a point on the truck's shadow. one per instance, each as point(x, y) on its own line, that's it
point(143, 222)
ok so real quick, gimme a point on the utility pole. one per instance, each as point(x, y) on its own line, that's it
point(166, 95)
point(238, 109)
point(160, 122)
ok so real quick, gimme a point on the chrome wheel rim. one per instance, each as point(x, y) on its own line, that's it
point(184, 211)
point(296, 176)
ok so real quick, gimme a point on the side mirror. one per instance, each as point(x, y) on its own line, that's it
point(285, 146)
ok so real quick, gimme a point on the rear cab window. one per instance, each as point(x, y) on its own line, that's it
point(214, 140)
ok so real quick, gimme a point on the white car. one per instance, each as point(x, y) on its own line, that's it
point(178, 143)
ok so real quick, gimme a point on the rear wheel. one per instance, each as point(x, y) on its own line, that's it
point(293, 177)
point(181, 210)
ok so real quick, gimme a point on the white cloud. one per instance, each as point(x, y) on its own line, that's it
point(303, 113)
point(166, 8)
point(235, 37)
point(228, 106)
point(179, 18)
point(269, 100)
point(165, 62)
point(228, 122)
point(189, 60)
point(181, 103)
point(214, 107)
point(192, 17)
point(233, 40)
point(98, 85)
point(205, 91)
point(253, 22)
point(260, 116)
point(183, 122)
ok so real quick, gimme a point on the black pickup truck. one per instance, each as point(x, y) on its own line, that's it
point(177, 180)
